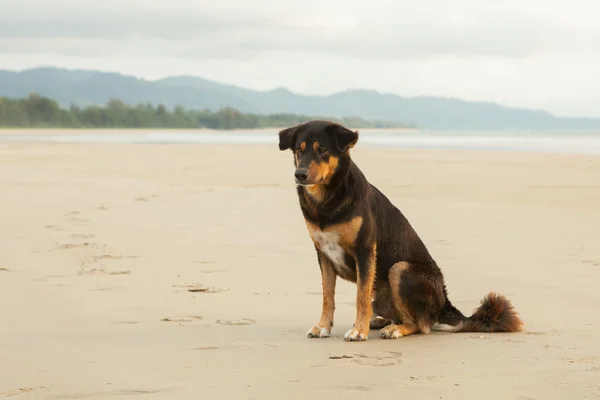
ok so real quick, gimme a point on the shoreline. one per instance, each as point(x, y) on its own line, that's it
point(54, 131)
point(538, 142)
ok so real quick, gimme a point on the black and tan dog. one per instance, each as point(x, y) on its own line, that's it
point(360, 236)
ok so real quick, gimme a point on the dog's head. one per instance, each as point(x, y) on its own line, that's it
point(319, 147)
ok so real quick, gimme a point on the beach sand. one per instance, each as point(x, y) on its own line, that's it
point(186, 272)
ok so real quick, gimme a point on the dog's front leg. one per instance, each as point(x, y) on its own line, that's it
point(365, 265)
point(328, 278)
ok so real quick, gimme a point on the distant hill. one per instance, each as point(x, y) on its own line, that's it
point(97, 88)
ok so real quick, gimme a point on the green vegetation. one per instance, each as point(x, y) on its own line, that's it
point(41, 112)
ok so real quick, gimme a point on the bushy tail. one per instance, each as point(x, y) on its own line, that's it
point(494, 314)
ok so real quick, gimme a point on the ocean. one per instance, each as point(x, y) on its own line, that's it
point(572, 142)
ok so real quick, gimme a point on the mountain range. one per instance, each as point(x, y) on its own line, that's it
point(88, 87)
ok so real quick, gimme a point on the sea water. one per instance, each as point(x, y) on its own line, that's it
point(574, 142)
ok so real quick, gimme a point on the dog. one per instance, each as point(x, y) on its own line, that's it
point(361, 237)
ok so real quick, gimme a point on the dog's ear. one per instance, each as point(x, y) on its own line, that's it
point(344, 138)
point(286, 137)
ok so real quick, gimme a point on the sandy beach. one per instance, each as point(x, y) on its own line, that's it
point(186, 272)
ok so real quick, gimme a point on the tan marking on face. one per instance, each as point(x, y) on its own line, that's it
point(297, 153)
point(316, 146)
point(322, 171)
point(314, 171)
point(328, 168)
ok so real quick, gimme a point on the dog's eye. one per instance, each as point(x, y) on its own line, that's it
point(299, 149)
point(322, 150)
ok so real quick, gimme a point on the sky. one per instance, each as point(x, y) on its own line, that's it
point(540, 54)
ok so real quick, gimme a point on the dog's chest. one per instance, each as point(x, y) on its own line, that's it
point(330, 244)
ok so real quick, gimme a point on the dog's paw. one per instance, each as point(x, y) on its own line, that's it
point(318, 332)
point(379, 322)
point(354, 335)
point(391, 332)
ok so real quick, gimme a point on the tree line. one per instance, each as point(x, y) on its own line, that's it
point(36, 111)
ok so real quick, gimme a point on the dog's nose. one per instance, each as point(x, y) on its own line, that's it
point(301, 175)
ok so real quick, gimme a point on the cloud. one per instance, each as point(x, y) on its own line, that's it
point(234, 29)
point(534, 53)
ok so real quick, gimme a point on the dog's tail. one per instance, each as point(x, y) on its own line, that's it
point(494, 314)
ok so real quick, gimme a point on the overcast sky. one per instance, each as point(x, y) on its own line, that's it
point(542, 54)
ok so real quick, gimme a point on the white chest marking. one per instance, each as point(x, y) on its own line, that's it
point(328, 242)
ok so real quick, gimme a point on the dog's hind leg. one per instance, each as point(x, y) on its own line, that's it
point(417, 295)
point(384, 313)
